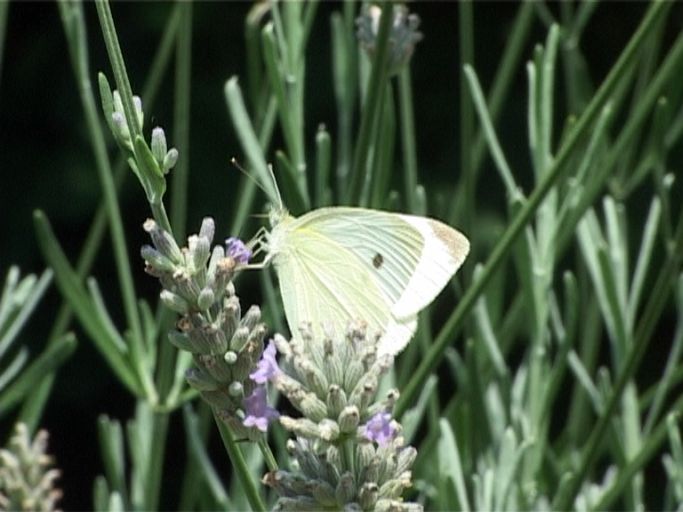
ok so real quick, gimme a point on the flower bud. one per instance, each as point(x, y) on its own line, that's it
point(329, 430)
point(199, 252)
point(312, 407)
point(163, 242)
point(205, 299)
point(336, 400)
point(180, 340)
point(349, 419)
point(323, 493)
point(301, 427)
point(156, 260)
point(251, 318)
point(346, 488)
point(158, 145)
point(174, 302)
point(368, 494)
point(236, 389)
point(169, 161)
point(200, 379)
point(208, 229)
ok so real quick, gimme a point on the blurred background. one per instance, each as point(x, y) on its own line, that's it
point(46, 161)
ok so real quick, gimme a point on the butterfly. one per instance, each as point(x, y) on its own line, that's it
point(341, 264)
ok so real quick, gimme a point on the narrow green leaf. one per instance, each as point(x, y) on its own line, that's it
point(450, 469)
point(72, 289)
point(413, 417)
point(110, 435)
point(248, 140)
point(323, 162)
point(197, 450)
point(46, 363)
point(27, 298)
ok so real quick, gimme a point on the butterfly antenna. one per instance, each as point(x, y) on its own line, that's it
point(256, 182)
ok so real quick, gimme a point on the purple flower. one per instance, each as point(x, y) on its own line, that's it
point(237, 250)
point(258, 412)
point(380, 429)
point(267, 367)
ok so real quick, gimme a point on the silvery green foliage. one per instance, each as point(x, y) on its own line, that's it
point(26, 480)
point(333, 382)
point(225, 344)
point(402, 38)
point(118, 119)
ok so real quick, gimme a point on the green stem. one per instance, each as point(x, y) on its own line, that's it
point(405, 98)
point(268, 456)
point(156, 465)
point(378, 78)
point(125, 275)
point(181, 122)
point(118, 65)
point(510, 235)
point(240, 465)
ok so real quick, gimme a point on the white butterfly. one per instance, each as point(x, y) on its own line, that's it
point(339, 264)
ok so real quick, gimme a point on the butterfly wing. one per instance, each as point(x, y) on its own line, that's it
point(410, 258)
point(322, 281)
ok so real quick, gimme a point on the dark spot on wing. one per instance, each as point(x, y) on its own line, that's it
point(378, 260)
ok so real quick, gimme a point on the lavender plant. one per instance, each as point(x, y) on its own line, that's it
point(509, 399)
point(27, 481)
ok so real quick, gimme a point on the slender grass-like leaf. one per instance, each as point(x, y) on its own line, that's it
point(46, 363)
point(113, 456)
point(490, 135)
point(323, 162)
point(667, 382)
point(23, 295)
point(70, 286)
point(450, 469)
point(241, 469)
point(371, 108)
point(181, 125)
point(247, 137)
point(11, 370)
point(198, 451)
point(413, 416)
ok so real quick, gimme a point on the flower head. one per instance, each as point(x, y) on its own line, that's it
point(237, 250)
point(267, 367)
point(380, 429)
point(403, 35)
point(258, 412)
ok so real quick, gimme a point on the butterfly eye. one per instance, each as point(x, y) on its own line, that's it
point(378, 260)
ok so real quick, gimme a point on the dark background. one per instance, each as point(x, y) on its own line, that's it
point(46, 161)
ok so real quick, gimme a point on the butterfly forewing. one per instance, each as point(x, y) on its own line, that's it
point(341, 264)
point(321, 282)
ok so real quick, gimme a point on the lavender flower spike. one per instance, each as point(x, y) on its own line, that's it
point(258, 412)
point(266, 368)
point(380, 429)
point(237, 250)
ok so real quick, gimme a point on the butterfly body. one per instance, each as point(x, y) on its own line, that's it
point(340, 264)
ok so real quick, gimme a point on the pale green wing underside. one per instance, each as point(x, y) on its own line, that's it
point(340, 264)
point(323, 281)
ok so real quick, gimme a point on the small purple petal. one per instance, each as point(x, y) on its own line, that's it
point(266, 368)
point(258, 412)
point(380, 429)
point(237, 250)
